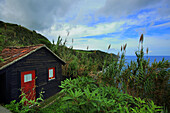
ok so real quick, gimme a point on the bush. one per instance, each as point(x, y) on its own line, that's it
point(24, 105)
point(83, 95)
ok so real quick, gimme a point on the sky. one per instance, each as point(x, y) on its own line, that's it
point(96, 23)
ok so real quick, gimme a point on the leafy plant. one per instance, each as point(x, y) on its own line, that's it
point(83, 95)
point(24, 105)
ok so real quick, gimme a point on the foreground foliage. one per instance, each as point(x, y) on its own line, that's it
point(84, 95)
point(25, 105)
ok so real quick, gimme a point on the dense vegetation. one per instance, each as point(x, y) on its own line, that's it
point(86, 95)
point(17, 35)
point(81, 62)
point(140, 78)
point(136, 87)
point(77, 60)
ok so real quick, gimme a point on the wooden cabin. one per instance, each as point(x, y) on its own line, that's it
point(32, 69)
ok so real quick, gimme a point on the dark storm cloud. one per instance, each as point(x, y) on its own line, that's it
point(119, 8)
point(34, 14)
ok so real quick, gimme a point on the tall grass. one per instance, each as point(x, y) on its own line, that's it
point(78, 62)
point(136, 87)
point(139, 78)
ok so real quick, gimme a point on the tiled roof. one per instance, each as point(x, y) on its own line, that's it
point(12, 54)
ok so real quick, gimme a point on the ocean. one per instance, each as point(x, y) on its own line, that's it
point(152, 58)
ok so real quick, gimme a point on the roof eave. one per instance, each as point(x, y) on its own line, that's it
point(6, 65)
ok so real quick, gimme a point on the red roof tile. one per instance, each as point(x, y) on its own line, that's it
point(11, 54)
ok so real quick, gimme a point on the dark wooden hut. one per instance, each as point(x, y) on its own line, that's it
point(32, 69)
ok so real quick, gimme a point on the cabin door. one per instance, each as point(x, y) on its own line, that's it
point(28, 84)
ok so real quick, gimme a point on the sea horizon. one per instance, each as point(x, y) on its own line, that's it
point(152, 58)
point(151, 55)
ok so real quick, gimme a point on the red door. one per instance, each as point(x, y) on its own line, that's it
point(28, 84)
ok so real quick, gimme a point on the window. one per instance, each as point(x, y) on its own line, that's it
point(51, 73)
point(27, 77)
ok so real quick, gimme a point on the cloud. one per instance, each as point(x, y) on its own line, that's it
point(83, 12)
point(79, 31)
point(103, 43)
point(154, 43)
point(95, 23)
point(34, 14)
point(42, 14)
point(161, 41)
point(165, 25)
point(118, 8)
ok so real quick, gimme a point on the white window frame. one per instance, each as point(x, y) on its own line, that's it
point(27, 77)
point(49, 72)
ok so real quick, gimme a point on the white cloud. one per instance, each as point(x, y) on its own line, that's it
point(162, 25)
point(84, 11)
point(77, 31)
point(154, 43)
point(161, 41)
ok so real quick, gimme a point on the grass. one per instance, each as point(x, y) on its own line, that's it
point(49, 105)
point(50, 100)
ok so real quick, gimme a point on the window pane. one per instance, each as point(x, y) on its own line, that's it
point(50, 73)
point(27, 77)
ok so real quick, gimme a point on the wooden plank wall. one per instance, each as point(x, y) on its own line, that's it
point(39, 61)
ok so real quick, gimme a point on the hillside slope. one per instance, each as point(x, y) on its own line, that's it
point(17, 35)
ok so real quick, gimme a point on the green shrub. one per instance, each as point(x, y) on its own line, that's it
point(73, 66)
point(82, 95)
point(24, 105)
